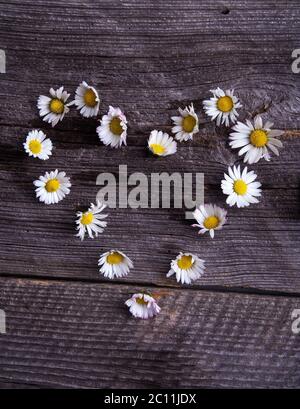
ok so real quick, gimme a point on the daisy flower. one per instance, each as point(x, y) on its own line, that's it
point(91, 221)
point(142, 306)
point(37, 145)
point(54, 107)
point(186, 124)
point(87, 100)
point(114, 263)
point(113, 128)
point(240, 187)
point(161, 144)
point(255, 139)
point(52, 187)
point(210, 218)
point(222, 106)
point(187, 268)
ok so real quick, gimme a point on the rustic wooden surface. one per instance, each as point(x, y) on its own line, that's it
point(74, 334)
point(66, 325)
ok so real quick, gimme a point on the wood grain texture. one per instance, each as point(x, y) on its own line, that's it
point(81, 335)
point(150, 88)
point(259, 248)
point(149, 58)
point(16, 385)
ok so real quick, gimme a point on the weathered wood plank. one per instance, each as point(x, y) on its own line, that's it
point(81, 335)
point(150, 58)
point(83, 157)
point(264, 235)
point(257, 249)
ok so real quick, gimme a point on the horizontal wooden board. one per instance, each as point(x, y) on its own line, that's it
point(149, 58)
point(83, 158)
point(149, 62)
point(81, 335)
point(259, 248)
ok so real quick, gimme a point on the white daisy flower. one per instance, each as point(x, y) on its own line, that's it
point(210, 218)
point(87, 100)
point(91, 221)
point(187, 268)
point(54, 108)
point(186, 124)
point(113, 128)
point(143, 306)
point(52, 187)
point(37, 145)
point(240, 187)
point(114, 263)
point(255, 139)
point(222, 106)
point(161, 144)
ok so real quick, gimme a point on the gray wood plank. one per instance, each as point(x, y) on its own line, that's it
point(17, 385)
point(84, 157)
point(81, 335)
point(42, 239)
point(151, 58)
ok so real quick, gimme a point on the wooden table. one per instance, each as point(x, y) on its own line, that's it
point(67, 326)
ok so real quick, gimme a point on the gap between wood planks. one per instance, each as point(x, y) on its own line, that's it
point(197, 287)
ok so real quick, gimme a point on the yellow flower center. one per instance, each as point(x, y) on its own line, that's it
point(114, 258)
point(211, 222)
point(35, 146)
point(90, 98)
point(225, 104)
point(56, 106)
point(141, 301)
point(157, 149)
point(52, 185)
point(240, 187)
point(258, 138)
point(185, 262)
point(87, 218)
point(115, 126)
point(188, 123)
